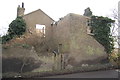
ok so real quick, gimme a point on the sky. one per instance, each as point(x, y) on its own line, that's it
point(54, 8)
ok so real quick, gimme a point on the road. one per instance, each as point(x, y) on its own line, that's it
point(95, 74)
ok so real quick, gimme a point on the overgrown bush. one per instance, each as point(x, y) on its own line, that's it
point(16, 28)
point(102, 33)
point(115, 59)
point(6, 38)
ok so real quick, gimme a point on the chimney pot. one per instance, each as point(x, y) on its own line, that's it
point(22, 5)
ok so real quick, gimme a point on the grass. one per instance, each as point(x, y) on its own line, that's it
point(22, 45)
point(42, 70)
point(47, 65)
point(46, 59)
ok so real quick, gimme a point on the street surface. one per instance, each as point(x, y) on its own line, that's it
point(95, 74)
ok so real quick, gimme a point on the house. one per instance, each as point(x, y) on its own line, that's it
point(70, 35)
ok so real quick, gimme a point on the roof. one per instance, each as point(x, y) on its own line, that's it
point(36, 11)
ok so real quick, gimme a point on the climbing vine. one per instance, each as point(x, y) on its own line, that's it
point(16, 28)
point(102, 33)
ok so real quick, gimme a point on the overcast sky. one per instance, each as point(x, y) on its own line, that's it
point(54, 8)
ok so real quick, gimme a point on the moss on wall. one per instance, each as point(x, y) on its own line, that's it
point(65, 48)
point(90, 50)
point(74, 44)
point(93, 51)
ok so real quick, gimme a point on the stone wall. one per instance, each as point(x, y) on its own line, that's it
point(68, 35)
point(39, 17)
point(71, 33)
point(61, 34)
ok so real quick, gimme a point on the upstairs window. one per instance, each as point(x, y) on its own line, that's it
point(89, 28)
point(40, 29)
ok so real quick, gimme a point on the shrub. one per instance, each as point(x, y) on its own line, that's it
point(17, 27)
point(101, 30)
point(6, 38)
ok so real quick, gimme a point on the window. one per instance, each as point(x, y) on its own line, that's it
point(89, 23)
point(40, 29)
point(89, 28)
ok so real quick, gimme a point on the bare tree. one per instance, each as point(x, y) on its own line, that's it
point(116, 27)
point(119, 23)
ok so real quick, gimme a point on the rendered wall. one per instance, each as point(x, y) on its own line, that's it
point(39, 17)
point(71, 32)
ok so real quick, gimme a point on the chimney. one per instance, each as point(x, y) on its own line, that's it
point(20, 10)
point(22, 5)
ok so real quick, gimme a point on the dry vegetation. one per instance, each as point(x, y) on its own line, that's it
point(115, 57)
point(23, 56)
point(20, 55)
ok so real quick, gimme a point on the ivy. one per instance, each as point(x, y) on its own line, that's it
point(101, 30)
point(16, 28)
